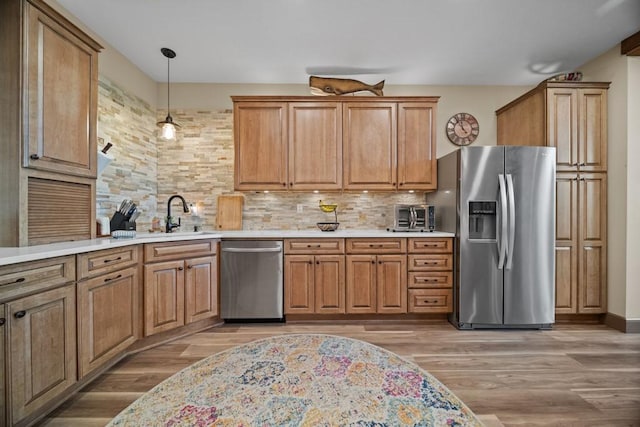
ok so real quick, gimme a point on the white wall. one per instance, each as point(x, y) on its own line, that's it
point(623, 221)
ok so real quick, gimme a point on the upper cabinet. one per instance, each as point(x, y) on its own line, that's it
point(335, 143)
point(62, 94)
point(571, 116)
point(49, 98)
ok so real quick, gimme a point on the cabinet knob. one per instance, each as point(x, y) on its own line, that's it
point(284, 184)
point(401, 184)
point(34, 157)
point(189, 267)
point(318, 262)
point(180, 268)
point(373, 261)
point(310, 262)
point(19, 314)
point(582, 164)
point(2, 321)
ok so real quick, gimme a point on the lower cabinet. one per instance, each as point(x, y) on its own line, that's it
point(430, 275)
point(314, 276)
point(180, 291)
point(3, 405)
point(41, 356)
point(109, 316)
point(376, 283)
point(314, 284)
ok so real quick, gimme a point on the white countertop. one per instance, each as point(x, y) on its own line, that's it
point(33, 253)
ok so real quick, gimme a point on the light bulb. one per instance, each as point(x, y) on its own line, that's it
point(168, 131)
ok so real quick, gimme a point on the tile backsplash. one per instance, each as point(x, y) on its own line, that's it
point(199, 166)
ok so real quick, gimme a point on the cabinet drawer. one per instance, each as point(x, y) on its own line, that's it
point(29, 277)
point(427, 279)
point(314, 246)
point(433, 262)
point(430, 301)
point(154, 252)
point(102, 262)
point(376, 246)
point(430, 246)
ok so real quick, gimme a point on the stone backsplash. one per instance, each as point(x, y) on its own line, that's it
point(199, 167)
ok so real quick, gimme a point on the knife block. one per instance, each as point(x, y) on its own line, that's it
point(120, 222)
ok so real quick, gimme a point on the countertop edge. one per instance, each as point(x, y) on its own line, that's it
point(15, 255)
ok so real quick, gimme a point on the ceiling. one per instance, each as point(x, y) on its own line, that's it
point(432, 42)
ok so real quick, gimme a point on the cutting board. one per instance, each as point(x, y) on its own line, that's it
point(229, 216)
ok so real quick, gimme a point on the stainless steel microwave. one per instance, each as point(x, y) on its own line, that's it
point(414, 218)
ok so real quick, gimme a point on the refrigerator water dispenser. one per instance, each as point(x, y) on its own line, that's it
point(482, 220)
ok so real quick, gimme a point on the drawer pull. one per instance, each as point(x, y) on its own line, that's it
point(2, 321)
point(112, 260)
point(428, 262)
point(108, 279)
point(19, 314)
point(314, 246)
point(18, 280)
point(426, 280)
point(375, 246)
point(34, 157)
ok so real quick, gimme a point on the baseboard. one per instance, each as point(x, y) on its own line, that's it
point(623, 325)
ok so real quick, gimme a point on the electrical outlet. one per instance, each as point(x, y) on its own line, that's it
point(299, 208)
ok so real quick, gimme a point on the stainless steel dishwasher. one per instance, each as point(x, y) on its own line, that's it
point(251, 276)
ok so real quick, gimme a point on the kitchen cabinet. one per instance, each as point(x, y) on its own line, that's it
point(260, 135)
point(337, 143)
point(314, 276)
point(376, 275)
point(38, 312)
point(571, 116)
point(48, 159)
point(315, 146)
point(109, 305)
point(581, 252)
point(180, 284)
point(3, 403)
point(430, 275)
point(41, 356)
point(370, 146)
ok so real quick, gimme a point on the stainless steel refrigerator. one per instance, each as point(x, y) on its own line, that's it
point(500, 203)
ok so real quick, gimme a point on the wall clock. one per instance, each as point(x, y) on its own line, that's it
point(462, 129)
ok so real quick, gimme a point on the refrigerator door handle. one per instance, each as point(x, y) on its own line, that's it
point(502, 240)
point(512, 221)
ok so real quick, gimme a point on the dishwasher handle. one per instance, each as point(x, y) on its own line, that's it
point(251, 250)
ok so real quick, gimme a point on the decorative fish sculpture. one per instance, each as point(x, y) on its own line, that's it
point(331, 86)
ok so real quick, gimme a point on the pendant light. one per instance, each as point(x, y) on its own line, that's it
point(168, 126)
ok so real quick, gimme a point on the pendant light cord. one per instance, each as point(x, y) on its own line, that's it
point(168, 86)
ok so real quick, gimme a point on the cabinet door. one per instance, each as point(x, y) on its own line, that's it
point(260, 135)
point(417, 162)
point(592, 274)
point(315, 146)
point(298, 284)
point(562, 126)
point(329, 284)
point(108, 317)
point(370, 146)
point(361, 283)
point(201, 289)
point(391, 281)
point(3, 411)
point(566, 242)
point(163, 296)
point(62, 92)
point(42, 349)
point(592, 149)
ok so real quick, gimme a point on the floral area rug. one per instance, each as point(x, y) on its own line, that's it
point(300, 380)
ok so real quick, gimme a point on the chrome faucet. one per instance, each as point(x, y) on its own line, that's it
point(171, 226)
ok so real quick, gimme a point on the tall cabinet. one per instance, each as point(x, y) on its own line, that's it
point(571, 116)
point(48, 155)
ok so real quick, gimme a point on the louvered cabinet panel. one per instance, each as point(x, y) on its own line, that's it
point(59, 210)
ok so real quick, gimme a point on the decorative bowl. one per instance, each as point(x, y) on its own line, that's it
point(328, 226)
point(328, 207)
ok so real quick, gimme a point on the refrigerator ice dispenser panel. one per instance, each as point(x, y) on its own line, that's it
point(482, 220)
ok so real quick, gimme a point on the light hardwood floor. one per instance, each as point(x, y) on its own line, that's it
point(573, 375)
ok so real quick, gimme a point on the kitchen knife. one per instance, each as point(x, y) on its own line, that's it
point(135, 216)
